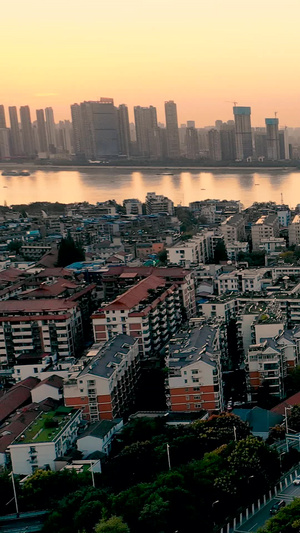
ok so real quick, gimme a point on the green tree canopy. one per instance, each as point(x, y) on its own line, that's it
point(220, 253)
point(114, 524)
point(69, 252)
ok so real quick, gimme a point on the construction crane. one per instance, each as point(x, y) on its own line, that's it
point(229, 102)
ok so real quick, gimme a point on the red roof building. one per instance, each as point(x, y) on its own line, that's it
point(18, 396)
point(149, 311)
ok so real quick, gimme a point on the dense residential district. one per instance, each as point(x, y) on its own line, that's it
point(149, 366)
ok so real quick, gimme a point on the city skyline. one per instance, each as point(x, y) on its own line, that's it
point(149, 52)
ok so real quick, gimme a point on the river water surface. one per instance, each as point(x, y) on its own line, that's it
point(96, 185)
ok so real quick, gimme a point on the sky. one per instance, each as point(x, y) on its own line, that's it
point(203, 54)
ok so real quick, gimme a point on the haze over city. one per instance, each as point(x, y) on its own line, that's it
point(201, 54)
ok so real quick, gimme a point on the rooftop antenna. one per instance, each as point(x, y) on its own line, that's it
point(275, 113)
point(281, 195)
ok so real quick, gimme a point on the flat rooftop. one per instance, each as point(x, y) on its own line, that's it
point(47, 426)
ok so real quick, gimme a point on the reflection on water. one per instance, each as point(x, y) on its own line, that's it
point(95, 185)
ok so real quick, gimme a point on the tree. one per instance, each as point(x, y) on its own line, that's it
point(114, 524)
point(15, 246)
point(69, 252)
point(220, 253)
point(163, 257)
point(294, 418)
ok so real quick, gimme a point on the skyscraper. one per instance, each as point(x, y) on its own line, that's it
point(243, 134)
point(145, 125)
point(95, 126)
point(172, 130)
point(16, 141)
point(214, 145)
point(273, 150)
point(77, 128)
point(4, 143)
point(284, 144)
point(228, 148)
point(41, 126)
point(27, 134)
point(2, 117)
point(124, 131)
point(192, 143)
point(50, 128)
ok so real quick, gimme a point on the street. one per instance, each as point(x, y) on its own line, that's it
point(259, 519)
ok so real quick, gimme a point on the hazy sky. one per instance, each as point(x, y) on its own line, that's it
point(199, 53)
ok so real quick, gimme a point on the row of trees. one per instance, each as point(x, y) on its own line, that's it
point(212, 475)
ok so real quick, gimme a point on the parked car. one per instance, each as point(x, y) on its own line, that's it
point(297, 480)
point(277, 506)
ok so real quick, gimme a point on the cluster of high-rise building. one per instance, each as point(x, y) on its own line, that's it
point(100, 130)
point(30, 138)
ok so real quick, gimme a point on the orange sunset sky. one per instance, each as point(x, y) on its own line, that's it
point(199, 53)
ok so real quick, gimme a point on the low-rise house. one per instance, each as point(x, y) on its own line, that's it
point(259, 420)
point(98, 436)
point(51, 387)
point(18, 396)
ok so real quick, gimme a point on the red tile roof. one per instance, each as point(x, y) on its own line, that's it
point(143, 271)
point(55, 272)
point(11, 274)
point(16, 397)
point(50, 291)
point(289, 402)
point(135, 294)
point(53, 381)
point(8, 307)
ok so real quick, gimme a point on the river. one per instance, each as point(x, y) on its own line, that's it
point(99, 184)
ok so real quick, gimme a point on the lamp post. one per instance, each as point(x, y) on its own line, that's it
point(234, 433)
point(92, 472)
point(212, 507)
point(280, 460)
point(15, 494)
point(286, 426)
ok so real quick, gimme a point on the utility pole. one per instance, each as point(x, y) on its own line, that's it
point(168, 454)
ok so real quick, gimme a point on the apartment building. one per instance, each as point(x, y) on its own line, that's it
point(149, 311)
point(191, 252)
point(103, 384)
point(273, 246)
point(233, 229)
point(49, 436)
point(157, 203)
point(44, 326)
point(233, 249)
point(195, 376)
point(270, 360)
point(248, 280)
point(294, 231)
point(118, 279)
point(266, 227)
